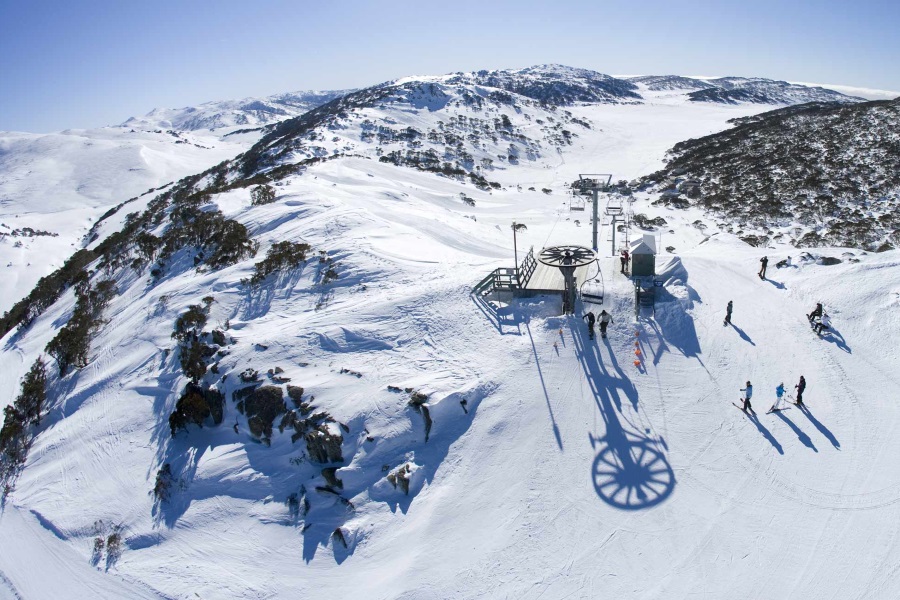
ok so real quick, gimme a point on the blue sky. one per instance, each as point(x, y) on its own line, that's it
point(84, 64)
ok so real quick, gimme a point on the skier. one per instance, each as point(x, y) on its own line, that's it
point(728, 313)
point(749, 393)
point(824, 323)
point(605, 320)
point(590, 321)
point(762, 270)
point(817, 312)
point(779, 393)
point(800, 387)
point(624, 259)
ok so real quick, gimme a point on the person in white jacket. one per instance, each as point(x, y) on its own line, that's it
point(748, 393)
point(824, 323)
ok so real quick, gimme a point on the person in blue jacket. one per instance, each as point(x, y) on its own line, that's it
point(779, 394)
point(748, 393)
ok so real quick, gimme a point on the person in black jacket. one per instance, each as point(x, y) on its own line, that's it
point(728, 312)
point(800, 387)
point(817, 312)
point(590, 321)
point(762, 270)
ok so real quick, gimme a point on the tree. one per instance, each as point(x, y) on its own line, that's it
point(262, 194)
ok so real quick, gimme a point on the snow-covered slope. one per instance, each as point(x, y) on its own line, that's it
point(554, 466)
point(61, 183)
point(248, 112)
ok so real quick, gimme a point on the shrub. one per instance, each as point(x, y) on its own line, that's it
point(262, 194)
point(162, 489)
point(281, 256)
point(261, 408)
point(71, 345)
point(193, 359)
point(25, 411)
point(194, 406)
point(46, 292)
point(190, 322)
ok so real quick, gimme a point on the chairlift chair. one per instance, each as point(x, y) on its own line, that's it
point(576, 203)
point(592, 291)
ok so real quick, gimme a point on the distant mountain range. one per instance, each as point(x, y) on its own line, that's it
point(558, 85)
point(249, 112)
point(734, 90)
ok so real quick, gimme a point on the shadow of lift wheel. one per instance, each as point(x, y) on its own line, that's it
point(643, 479)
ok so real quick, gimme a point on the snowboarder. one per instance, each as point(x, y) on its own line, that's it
point(800, 387)
point(590, 321)
point(605, 320)
point(762, 270)
point(779, 394)
point(817, 312)
point(728, 312)
point(746, 398)
point(824, 323)
point(624, 259)
point(783, 263)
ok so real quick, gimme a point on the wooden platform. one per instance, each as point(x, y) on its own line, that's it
point(550, 280)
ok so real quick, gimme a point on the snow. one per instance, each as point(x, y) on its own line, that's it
point(63, 182)
point(573, 473)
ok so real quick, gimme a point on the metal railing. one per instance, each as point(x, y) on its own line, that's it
point(529, 264)
point(507, 278)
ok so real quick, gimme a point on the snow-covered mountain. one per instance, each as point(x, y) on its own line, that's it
point(272, 378)
point(659, 83)
point(733, 90)
point(249, 112)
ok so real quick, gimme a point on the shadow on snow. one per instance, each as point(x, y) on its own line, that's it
point(631, 471)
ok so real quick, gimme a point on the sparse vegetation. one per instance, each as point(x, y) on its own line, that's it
point(262, 194)
point(195, 406)
point(162, 489)
point(24, 413)
point(834, 169)
point(282, 256)
point(46, 292)
point(71, 345)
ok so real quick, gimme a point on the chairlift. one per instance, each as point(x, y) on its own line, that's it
point(614, 206)
point(592, 289)
point(576, 203)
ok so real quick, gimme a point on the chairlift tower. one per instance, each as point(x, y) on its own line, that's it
point(591, 185)
point(567, 259)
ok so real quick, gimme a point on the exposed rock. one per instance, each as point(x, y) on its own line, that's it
point(417, 399)
point(400, 477)
point(330, 475)
point(829, 260)
point(338, 537)
point(323, 444)
point(249, 375)
point(427, 414)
